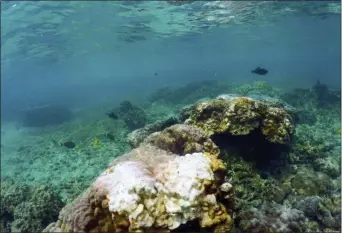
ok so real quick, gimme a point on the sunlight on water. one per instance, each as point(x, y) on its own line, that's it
point(49, 29)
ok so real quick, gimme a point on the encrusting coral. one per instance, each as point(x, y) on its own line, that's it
point(132, 115)
point(150, 189)
point(181, 139)
point(137, 136)
point(26, 208)
point(239, 115)
point(271, 218)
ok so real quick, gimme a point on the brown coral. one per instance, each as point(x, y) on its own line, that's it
point(182, 139)
point(277, 125)
point(138, 136)
point(240, 116)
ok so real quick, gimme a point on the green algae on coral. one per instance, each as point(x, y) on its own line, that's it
point(309, 183)
point(182, 139)
point(240, 116)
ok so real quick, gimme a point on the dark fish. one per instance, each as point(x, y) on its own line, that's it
point(69, 144)
point(260, 71)
point(110, 136)
point(156, 74)
point(112, 115)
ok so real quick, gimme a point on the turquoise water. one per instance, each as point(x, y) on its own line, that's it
point(66, 64)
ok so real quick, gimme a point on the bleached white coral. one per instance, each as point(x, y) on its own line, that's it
point(183, 176)
point(124, 183)
point(149, 189)
point(177, 184)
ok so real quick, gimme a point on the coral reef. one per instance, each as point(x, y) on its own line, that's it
point(326, 210)
point(138, 136)
point(255, 88)
point(251, 185)
point(185, 112)
point(133, 116)
point(159, 111)
point(232, 163)
point(182, 139)
point(318, 97)
point(271, 218)
point(36, 156)
point(309, 183)
point(318, 146)
point(150, 189)
point(27, 208)
point(240, 116)
point(329, 212)
point(324, 96)
point(304, 116)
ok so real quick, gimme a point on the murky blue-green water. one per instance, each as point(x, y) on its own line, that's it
point(71, 69)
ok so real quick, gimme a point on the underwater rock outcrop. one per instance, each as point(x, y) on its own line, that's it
point(132, 115)
point(149, 189)
point(182, 139)
point(238, 115)
point(317, 97)
point(324, 96)
point(138, 136)
point(46, 115)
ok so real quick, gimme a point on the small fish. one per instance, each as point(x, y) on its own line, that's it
point(110, 136)
point(96, 142)
point(260, 71)
point(156, 74)
point(69, 144)
point(112, 115)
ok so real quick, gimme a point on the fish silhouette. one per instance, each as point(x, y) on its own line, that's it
point(112, 115)
point(260, 71)
point(68, 144)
